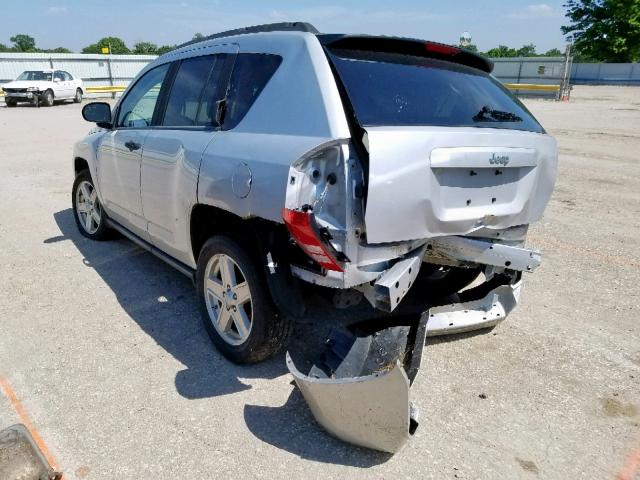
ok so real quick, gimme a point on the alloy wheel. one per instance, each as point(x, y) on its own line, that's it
point(228, 299)
point(88, 207)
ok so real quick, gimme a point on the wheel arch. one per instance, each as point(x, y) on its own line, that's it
point(80, 164)
point(207, 221)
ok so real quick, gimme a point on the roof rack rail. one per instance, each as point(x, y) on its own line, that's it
point(267, 27)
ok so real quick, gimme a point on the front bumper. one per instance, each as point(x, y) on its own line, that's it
point(21, 96)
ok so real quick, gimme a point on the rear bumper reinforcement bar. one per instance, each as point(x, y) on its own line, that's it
point(483, 252)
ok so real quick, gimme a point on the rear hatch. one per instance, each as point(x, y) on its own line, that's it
point(450, 150)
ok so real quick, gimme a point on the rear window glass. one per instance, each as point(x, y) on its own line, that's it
point(251, 73)
point(389, 89)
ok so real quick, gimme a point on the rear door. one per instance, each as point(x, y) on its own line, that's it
point(450, 150)
point(173, 150)
point(120, 152)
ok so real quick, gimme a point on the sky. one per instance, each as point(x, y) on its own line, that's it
point(76, 23)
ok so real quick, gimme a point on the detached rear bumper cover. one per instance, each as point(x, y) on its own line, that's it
point(475, 315)
point(371, 411)
point(374, 411)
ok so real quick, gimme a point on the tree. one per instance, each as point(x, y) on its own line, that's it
point(145, 48)
point(164, 49)
point(605, 30)
point(56, 50)
point(198, 36)
point(118, 46)
point(528, 50)
point(471, 48)
point(4, 48)
point(23, 43)
point(502, 51)
point(554, 52)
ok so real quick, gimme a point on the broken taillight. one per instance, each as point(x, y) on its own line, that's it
point(302, 228)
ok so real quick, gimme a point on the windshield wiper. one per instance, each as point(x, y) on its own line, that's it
point(487, 114)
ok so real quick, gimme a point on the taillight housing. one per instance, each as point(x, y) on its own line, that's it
point(304, 230)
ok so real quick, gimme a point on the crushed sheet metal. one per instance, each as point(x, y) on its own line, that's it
point(20, 458)
point(371, 411)
point(483, 252)
point(475, 315)
point(395, 283)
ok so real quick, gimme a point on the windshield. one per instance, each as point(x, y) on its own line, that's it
point(35, 75)
point(390, 89)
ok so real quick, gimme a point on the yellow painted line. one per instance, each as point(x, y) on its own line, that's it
point(532, 86)
point(23, 415)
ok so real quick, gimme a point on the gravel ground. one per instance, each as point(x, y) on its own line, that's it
point(103, 343)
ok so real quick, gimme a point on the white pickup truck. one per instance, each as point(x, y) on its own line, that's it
point(43, 87)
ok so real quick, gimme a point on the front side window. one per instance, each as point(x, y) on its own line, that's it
point(251, 73)
point(198, 84)
point(137, 108)
point(57, 75)
point(67, 76)
point(35, 75)
point(392, 89)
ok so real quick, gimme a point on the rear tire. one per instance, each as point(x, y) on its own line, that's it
point(237, 308)
point(47, 98)
point(78, 97)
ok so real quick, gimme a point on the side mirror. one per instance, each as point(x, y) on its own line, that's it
point(98, 112)
point(56, 80)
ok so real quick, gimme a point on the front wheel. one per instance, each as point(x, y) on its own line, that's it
point(87, 210)
point(78, 97)
point(47, 98)
point(237, 309)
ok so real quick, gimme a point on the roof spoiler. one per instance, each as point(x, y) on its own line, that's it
point(407, 46)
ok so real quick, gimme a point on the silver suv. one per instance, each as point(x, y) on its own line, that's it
point(255, 159)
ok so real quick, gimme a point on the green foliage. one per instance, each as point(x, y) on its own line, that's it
point(4, 48)
point(528, 50)
point(198, 36)
point(118, 46)
point(471, 48)
point(145, 48)
point(23, 43)
point(554, 52)
point(56, 50)
point(164, 49)
point(605, 30)
point(502, 51)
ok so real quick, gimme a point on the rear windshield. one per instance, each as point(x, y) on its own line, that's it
point(389, 89)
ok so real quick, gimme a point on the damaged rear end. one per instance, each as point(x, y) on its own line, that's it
point(433, 194)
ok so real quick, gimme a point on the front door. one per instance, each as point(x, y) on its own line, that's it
point(120, 153)
point(173, 150)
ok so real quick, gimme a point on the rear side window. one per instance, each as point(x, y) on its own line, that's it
point(389, 89)
point(251, 73)
point(196, 88)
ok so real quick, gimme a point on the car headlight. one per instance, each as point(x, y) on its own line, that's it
point(32, 89)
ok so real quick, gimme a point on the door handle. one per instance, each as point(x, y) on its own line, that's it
point(131, 145)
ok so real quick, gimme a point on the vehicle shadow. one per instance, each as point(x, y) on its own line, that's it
point(162, 302)
point(292, 427)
